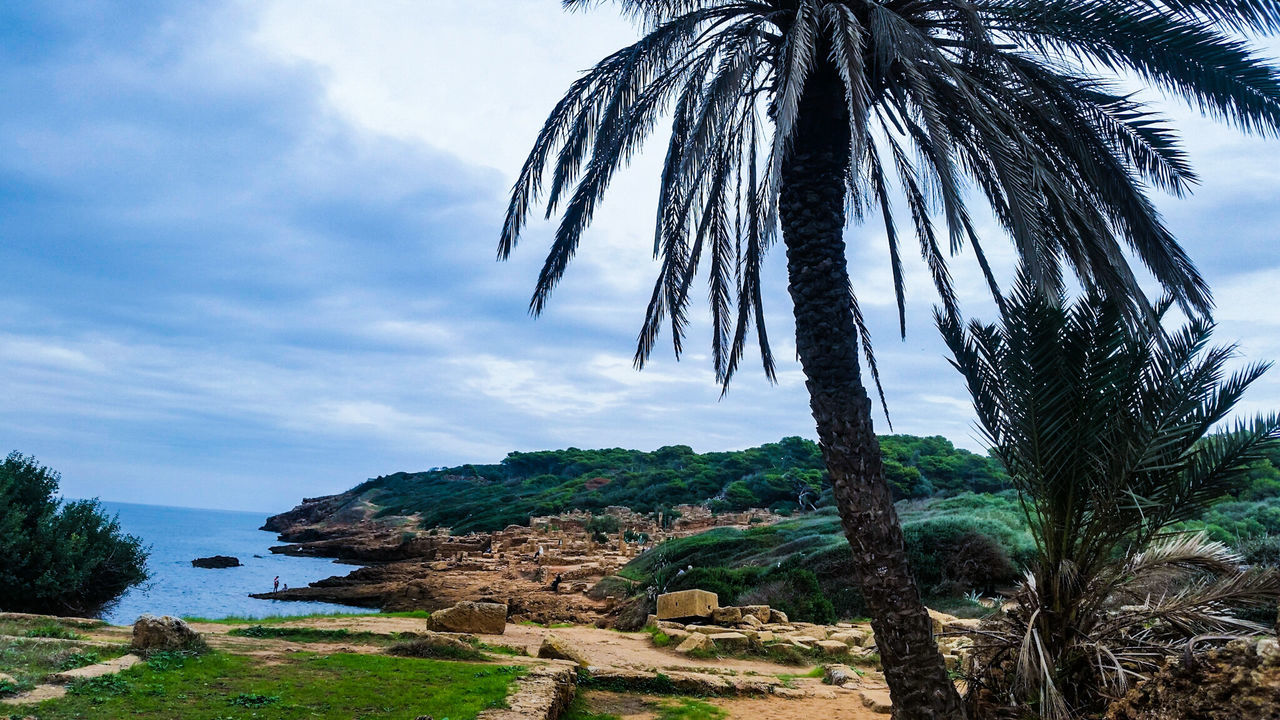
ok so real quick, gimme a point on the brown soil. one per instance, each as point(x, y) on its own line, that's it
point(839, 705)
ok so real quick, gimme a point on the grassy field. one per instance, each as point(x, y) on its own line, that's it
point(220, 686)
point(666, 709)
point(28, 660)
point(278, 619)
point(306, 634)
point(46, 627)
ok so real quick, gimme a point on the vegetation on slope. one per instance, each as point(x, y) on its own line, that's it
point(966, 543)
point(786, 476)
point(962, 545)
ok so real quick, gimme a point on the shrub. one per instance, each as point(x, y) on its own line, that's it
point(794, 591)
point(955, 555)
point(435, 648)
point(60, 558)
point(1264, 551)
point(726, 583)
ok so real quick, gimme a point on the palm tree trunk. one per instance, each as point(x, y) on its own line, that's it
point(811, 207)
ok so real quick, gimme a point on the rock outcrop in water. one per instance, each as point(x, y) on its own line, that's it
point(216, 561)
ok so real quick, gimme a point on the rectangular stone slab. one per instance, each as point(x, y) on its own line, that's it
point(687, 604)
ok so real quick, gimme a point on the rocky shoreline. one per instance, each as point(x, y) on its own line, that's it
point(546, 572)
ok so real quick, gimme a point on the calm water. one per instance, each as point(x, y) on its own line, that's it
point(179, 535)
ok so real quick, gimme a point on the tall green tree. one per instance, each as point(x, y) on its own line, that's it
point(1105, 432)
point(806, 114)
point(59, 558)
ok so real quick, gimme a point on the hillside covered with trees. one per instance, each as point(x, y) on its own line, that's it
point(959, 544)
point(786, 476)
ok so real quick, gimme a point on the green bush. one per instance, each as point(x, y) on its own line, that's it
point(794, 591)
point(60, 558)
point(955, 555)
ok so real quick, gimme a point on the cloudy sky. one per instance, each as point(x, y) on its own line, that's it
point(247, 255)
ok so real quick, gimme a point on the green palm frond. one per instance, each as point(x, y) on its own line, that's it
point(1111, 433)
point(944, 97)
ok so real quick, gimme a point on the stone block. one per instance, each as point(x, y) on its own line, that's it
point(695, 641)
point(470, 617)
point(877, 701)
point(726, 615)
point(777, 616)
point(760, 612)
point(731, 641)
point(687, 604)
point(838, 674)
point(677, 636)
point(940, 620)
point(832, 647)
point(555, 648)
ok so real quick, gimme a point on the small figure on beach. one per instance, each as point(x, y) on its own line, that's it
point(275, 585)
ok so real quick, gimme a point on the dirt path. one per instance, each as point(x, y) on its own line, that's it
point(846, 705)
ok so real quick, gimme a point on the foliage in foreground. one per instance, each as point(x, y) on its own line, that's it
point(1104, 429)
point(334, 687)
point(59, 558)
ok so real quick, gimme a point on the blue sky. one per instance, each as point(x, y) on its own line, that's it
point(248, 255)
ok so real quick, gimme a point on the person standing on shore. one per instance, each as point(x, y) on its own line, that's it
point(275, 585)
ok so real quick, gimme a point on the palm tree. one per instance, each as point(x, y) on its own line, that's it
point(1104, 430)
point(806, 113)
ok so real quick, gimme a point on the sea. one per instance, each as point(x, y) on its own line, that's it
point(178, 535)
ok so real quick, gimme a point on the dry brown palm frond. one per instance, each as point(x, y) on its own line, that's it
point(1176, 555)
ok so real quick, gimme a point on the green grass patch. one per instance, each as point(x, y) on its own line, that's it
point(687, 709)
point(660, 639)
point(500, 649)
point(43, 626)
point(218, 686)
point(578, 710)
point(789, 679)
point(871, 661)
point(30, 661)
point(254, 700)
point(780, 653)
point(277, 619)
point(52, 630)
point(298, 634)
point(428, 648)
